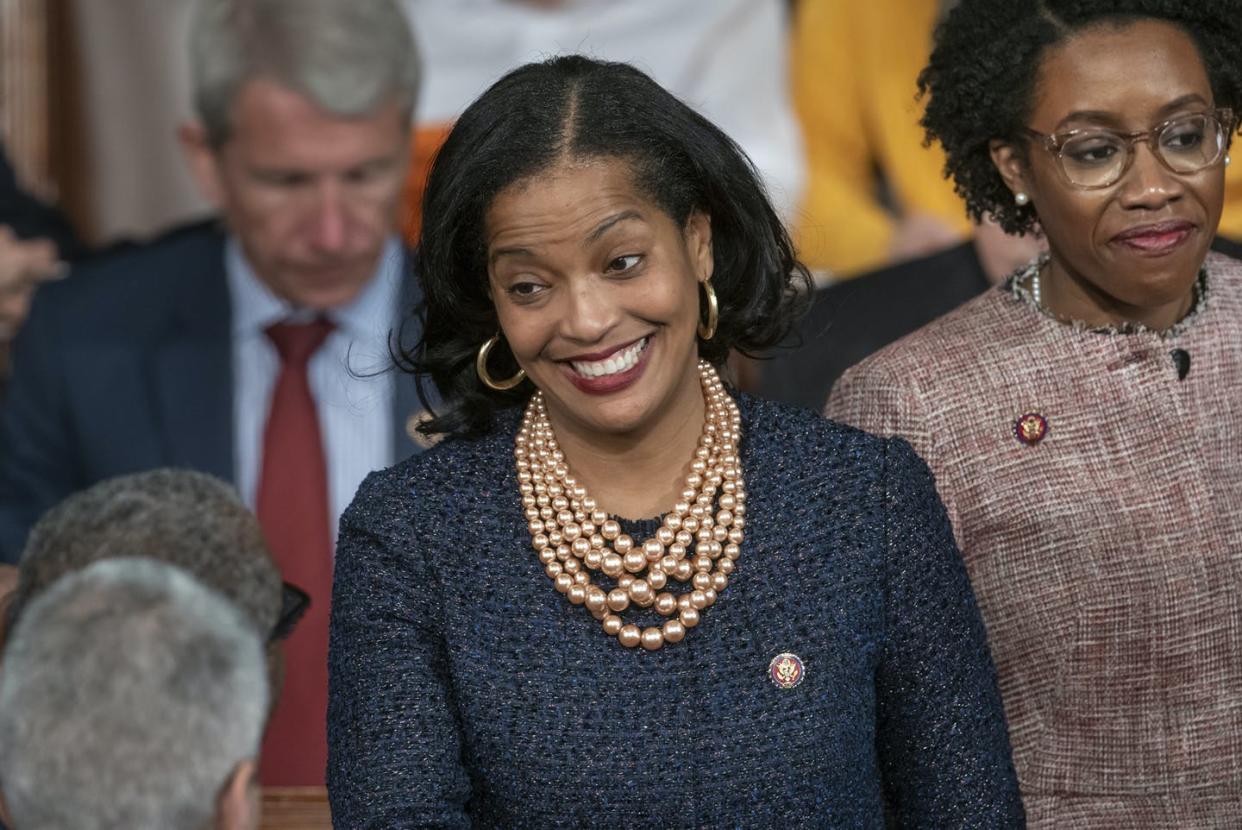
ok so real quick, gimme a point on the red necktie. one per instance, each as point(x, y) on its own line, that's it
point(293, 510)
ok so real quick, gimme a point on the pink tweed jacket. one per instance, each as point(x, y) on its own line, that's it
point(1106, 555)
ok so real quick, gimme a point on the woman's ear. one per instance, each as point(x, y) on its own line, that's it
point(699, 244)
point(1011, 165)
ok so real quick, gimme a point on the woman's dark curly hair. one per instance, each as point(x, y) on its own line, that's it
point(574, 107)
point(980, 82)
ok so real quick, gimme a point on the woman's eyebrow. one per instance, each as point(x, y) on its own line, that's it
point(603, 227)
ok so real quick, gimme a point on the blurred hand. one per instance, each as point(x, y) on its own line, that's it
point(1000, 253)
point(919, 235)
point(24, 263)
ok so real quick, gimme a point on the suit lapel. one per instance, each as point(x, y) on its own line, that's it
point(191, 369)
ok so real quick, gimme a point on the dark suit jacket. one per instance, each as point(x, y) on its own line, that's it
point(125, 366)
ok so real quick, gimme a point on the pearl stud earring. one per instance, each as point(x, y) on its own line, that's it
point(1228, 160)
point(1021, 198)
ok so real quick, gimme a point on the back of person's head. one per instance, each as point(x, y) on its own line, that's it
point(574, 109)
point(348, 57)
point(185, 518)
point(132, 698)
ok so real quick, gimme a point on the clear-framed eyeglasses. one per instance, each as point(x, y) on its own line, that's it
point(1095, 158)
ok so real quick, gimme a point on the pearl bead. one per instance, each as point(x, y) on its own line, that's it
point(629, 636)
point(554, 569)
point(674, 631)
point(592, 559)
point(656, 578)
point(635, 561)
point(653, 549)
point(720, 581)
point(702, 562)
point(535, 527)
point(547, 556)
point(641, 592)
point(652, 639)
point(572, 566)
point(664, 537)
point(618, 599)
point(571, 532)
point(701, 581)
point(625, 581)
point(711, 596)
point(683, 602)
point(596, 599)
point(610, 529)
point(612, 625)
point(564, 582)
point(576, 594)
point(666, 604)
point(612, 564)
point(689, 617)
point(726, 566)
point(623, 544)
point(669, 563)
point(684, 571)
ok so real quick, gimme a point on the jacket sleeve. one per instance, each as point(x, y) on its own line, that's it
point(38, 464)
point(394, 740)
point(942, 739)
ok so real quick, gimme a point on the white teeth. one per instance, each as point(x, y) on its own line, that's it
point(615, 364)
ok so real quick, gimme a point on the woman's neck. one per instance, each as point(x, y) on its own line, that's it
point(1068, 296)
point(638, 475)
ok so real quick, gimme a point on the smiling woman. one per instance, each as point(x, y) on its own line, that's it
point(620, 594)
point(1081, 419)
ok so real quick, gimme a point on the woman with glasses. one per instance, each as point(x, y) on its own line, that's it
point(1082, 421)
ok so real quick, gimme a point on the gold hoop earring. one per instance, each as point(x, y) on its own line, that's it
point(480, 367)
point(713, 312)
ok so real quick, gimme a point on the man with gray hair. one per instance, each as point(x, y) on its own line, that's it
point(132, 698)
point(248, 347)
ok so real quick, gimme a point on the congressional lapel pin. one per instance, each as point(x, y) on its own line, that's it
point(1031, 428)
point(786, 670)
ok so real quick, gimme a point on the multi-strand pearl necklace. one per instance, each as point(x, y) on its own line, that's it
point(573, 537)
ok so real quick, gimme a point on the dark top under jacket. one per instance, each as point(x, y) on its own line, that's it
point(852, 319)
point(465, 691)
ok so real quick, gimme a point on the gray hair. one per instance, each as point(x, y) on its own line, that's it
point(348, 57)
point(129, 695)
point(185, 518)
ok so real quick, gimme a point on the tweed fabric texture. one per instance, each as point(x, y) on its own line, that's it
point(1107, 558)
point(466, 692)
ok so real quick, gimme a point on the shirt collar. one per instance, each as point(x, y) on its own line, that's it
point(255, 306)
